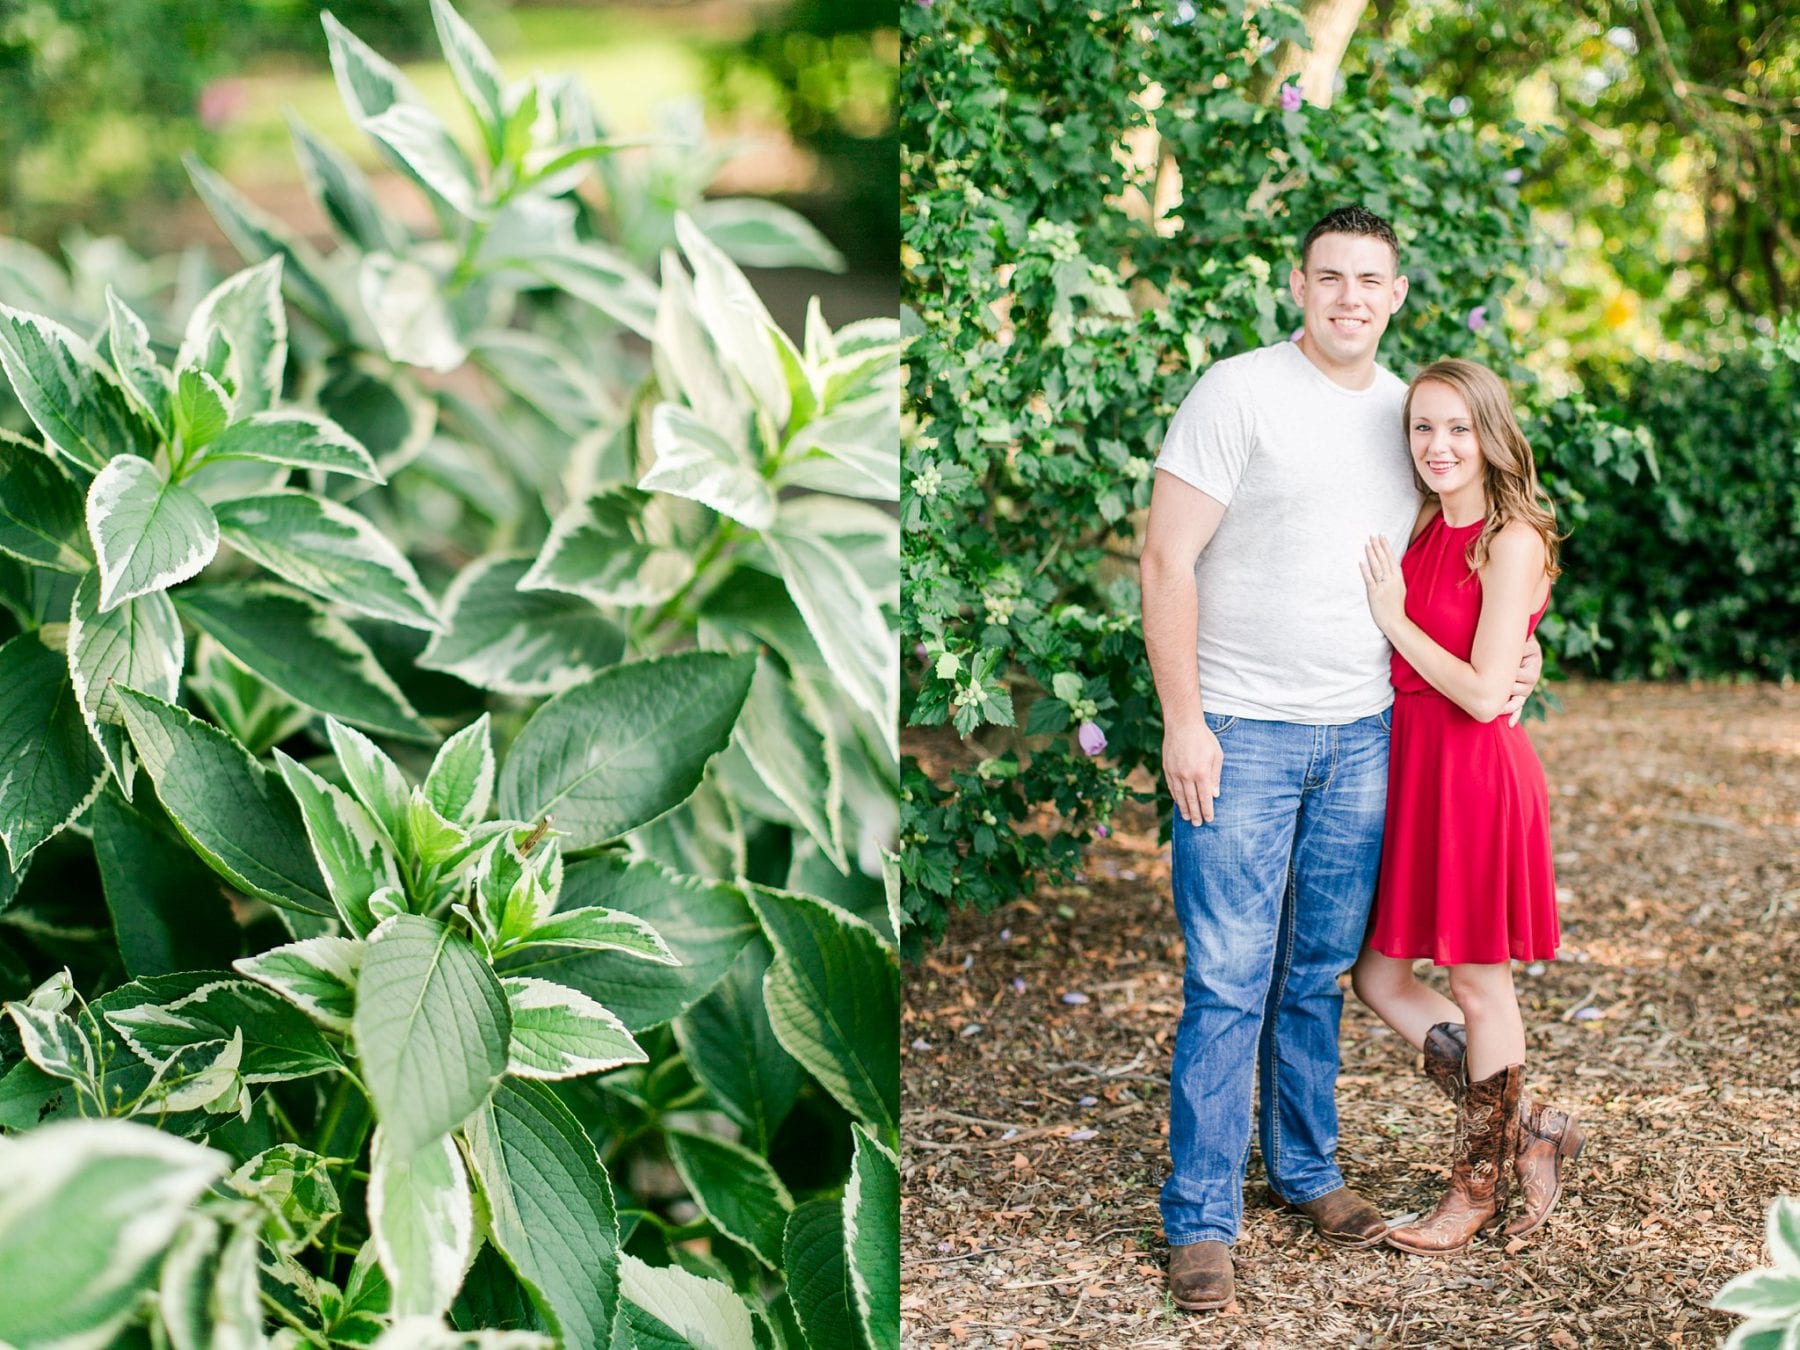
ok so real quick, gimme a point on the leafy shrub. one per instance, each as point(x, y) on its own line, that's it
point(1695, 572)
point(551, 988)
point(1768, 1299)
point(1055, 321)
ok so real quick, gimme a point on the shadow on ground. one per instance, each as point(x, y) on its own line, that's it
point(1034, 1124)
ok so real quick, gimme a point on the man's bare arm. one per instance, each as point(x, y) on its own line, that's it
point(1182, 522)
point(1531, 670)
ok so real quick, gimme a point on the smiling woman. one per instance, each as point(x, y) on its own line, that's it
point(448, 698)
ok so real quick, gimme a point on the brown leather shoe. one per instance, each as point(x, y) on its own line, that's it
point(1343, 1217)
point(1549, 1138)
point(1481, 1168)
point(1200, 1276)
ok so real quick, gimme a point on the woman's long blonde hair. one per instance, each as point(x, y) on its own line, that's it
point(1509, 471)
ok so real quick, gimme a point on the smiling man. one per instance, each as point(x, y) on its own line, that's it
point(1273, 680)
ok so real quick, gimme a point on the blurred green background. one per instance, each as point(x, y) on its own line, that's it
point(102, 97)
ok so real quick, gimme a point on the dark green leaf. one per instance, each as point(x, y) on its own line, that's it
point(237, 816)
point(619, 751)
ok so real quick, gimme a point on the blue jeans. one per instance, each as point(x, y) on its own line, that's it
point(1273, 897)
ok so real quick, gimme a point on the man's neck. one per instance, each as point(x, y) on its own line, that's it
point(1358, 376)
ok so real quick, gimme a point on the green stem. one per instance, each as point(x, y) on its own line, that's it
point(334, 1114)
point(281, 1117)
point(464, 271)
point(619, 1145)
point(725, 533)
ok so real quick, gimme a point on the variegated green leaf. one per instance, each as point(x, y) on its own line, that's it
point(234, 813)
point(758, 233)
point(375, 779)
point(258, 237)
point(593, 928)
point(705, 1313)
point(736, 319)
point(736, 1189)
point(872, 1236)
point(845, 621)
point(854, 452)
point(368, 82)
point(352, 855)
point(145, 382)
point(607, 280)
point(306, 652)
point(818, 1276)
point(795, 762)
point(316, 975)
point(477, 74)
point(278, 1043)
point(294, 1185)
point(52, 1041)
point(68, 391)
point(833, 996)
point(559, 1032)
point(42, 520)
point(300, 440)
point(685, 360)
point(496, 636)
point(246, 307)
point(597, 550)
point(87, 1209)
point(432, 1028)
point(422, 1218)
point(343, 193)
point(694, 461)
point(423, 144)
point(409, 307)
point(148, 533)
point(49, 767)
point(136, 645)
point(326, 548)
point(705, 925)
point(460, 785)
point(550, 1207)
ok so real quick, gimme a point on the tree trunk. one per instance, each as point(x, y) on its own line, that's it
point(1330, 24)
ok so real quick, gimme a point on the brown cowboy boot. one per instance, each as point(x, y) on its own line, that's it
point(1345, 1219)
point(1200, 1277)
point(1446, 1045)
point(1549, 1137)
point(1487, 1140)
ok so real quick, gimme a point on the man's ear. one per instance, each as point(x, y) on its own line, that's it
point(1297, 286)
point(1400, 289)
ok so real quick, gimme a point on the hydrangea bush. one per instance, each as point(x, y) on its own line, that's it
point(448, 699)
point(1101, 201)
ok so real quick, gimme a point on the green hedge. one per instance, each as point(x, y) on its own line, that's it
point(1696, 571)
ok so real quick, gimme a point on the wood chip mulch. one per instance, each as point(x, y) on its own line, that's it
point(1035, 1124)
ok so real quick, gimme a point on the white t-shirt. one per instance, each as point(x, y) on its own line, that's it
point(1307, 471)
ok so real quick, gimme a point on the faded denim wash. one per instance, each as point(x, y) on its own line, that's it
point(1273, 897)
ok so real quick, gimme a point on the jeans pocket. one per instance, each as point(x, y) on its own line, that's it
point(1386, 718)
point(1219, 725)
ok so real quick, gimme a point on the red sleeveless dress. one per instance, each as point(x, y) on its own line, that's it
point(1466, 876)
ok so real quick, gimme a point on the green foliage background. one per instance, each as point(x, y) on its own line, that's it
point(1060, 297)
point(447, 689)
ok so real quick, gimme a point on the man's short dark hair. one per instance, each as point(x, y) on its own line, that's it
point(1351, 220)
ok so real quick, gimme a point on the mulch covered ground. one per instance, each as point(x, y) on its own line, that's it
point(1034, 1123)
